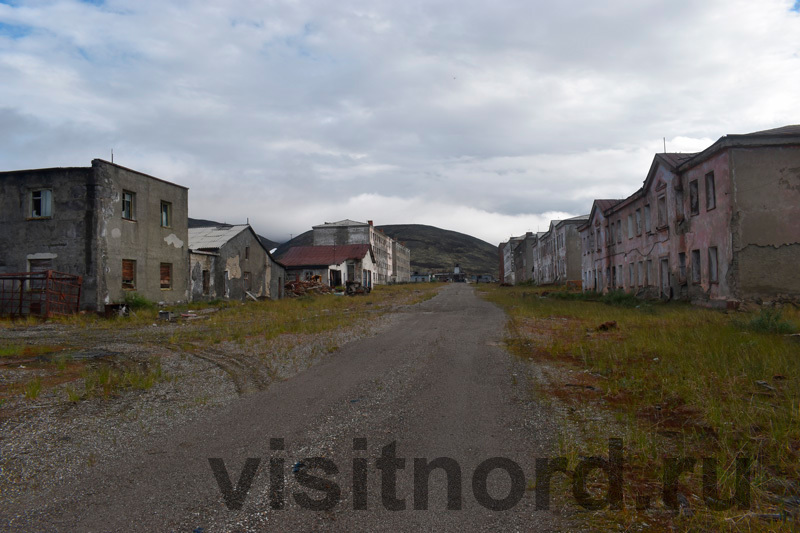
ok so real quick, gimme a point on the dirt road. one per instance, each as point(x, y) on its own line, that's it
point(436, 384)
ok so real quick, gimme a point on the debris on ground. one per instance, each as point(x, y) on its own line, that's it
point(355, 287)
point(299, 287)
point(607, 326)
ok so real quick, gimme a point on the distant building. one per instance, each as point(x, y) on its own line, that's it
point(122, 230)
point(713, 227)
point(334, 264)
point(417, 277)
point(388, 268)
point(230, 262)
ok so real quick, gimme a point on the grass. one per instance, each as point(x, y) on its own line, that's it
point(679, 380)
point(32, 388)
point(105, 379)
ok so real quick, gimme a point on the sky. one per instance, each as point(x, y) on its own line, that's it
point(486, 117)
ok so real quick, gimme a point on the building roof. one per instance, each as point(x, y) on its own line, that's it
point(213, 237)
point(324, 255)
point(783, 130)
point(342, 223)
point(676, 158)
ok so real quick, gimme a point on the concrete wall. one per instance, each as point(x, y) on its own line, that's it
point(66, 238)
point(765, 236)
point(199, 262)
point(401, 262)
point(143, 240)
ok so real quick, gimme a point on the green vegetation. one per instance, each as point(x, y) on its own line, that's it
point(106, 380)
point(678, 380)
point(32, 388)
point(137, 302)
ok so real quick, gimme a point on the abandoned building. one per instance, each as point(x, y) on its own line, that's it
point(714, 227)
point(334, 264)
point(393, 259)
point(121, 230)
point(230, 262)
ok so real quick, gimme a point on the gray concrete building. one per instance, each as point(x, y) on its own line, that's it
point(122, 230)
point(230, 262)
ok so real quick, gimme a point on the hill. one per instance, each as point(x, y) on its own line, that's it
point(432, 249)
point(202, 223)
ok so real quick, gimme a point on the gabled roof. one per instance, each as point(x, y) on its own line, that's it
point(342, 223)
point(783, 130)
point(324, 255)
point(213, 237)
point(602, 205)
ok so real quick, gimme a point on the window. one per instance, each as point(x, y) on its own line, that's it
point(630, 226)
point(206, 282)
point(39, 265)
point(128, 275)
point(711, 194)
point(682, 262)
point(679, 211)
point(619, 276)
point(649, 272)
point(662, 211)
point(641, 274)
point(638, 222)
point(713, 274)
point(694, 198)
point(619, 231)
point(128, 205)
point(41, 203)
point(647, 220)
point(247, 252)
point(631, 280)
point(695, 266)
point(166, 214)
point(246, 278)
point(166, 276)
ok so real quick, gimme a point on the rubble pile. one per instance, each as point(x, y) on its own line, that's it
point(299, 288)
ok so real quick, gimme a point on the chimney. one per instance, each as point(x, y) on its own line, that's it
point(369, 222)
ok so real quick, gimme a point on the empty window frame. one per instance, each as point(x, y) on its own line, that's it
point(128, 205)
point(631, 278)
point(713, 273)
point(128, 275)
point(247, 252)
point(41, 203)
point(630, 226)
point(638, 222)
point(206, 282)
point(619, 231)
point(694, 198)
point(166, 276)
point(649, 273)
point(647, 220)
point(682, 263)
point(246, 279)
point(166, 214)
point(696, 266)
point(641, 274)
point(662, 211)
point(711, 194)
point(679, 210)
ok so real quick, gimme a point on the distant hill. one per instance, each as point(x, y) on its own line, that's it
point(202, 223)
point(432, 249)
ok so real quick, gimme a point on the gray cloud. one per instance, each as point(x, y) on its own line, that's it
point(485, 117)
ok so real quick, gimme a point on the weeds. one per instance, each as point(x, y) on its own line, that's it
point(32, 388)
point(768, 321)
point(137, 302)
point(106, 380)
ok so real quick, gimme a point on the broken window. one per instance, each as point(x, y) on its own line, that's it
point(166, 214)
point(631, 280)
point(713, 274)
point(682, 263)
point(638, 222)
point(694, 198)
point(128, 274)
point(641, 274)
point(679, 211)
point(711, 195)
point(128, 205)
point(619, 231)
point(695, 266)
point(619, 276)
point(649, 272)
point(630, 226)
point(247, 252)
point(206, 282)
point(246, 278)
point(647, 220)
point(39, 265)
point(41, 203)
point(613, 276)
point(662, 211)
point(166, 276)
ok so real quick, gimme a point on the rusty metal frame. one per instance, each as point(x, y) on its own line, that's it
point(44, 294)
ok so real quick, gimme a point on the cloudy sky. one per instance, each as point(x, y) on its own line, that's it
point(486, 117)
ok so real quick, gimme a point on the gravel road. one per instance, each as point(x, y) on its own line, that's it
point(437, 383)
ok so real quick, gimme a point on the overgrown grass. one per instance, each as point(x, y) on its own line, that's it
point(32, 388)
point(681, 380)
point(106, 380)
point(136, 302)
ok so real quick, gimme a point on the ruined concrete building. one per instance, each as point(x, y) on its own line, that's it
point(715, 227)
point(121, 230)
point(230, 262)
point(334, 264)
point(393, 260)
